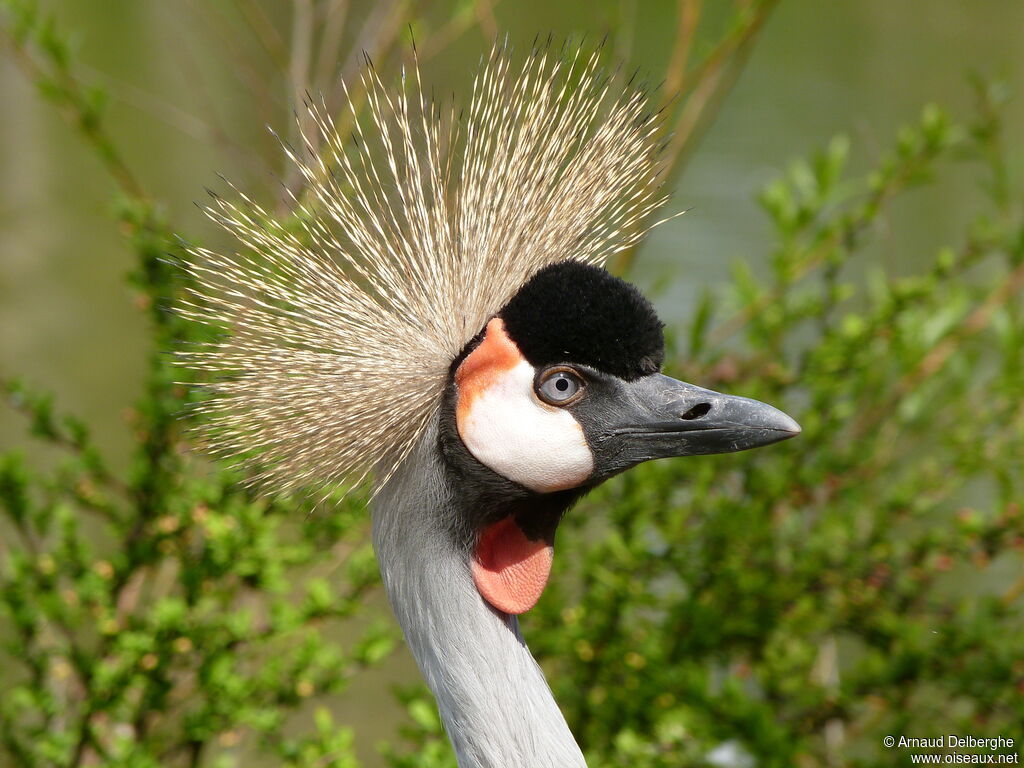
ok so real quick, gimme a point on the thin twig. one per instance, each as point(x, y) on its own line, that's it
point(298, 70)
point(73, 106)
point(330, 44)
point(687, 21)
point(485, 18)
point(65, 441)
point(940, 354)
point(709, 83)
point(705, 87)
point(447, 33)
point(626, 31)
point(377, 39)
point(265, 31)
point(226, 39)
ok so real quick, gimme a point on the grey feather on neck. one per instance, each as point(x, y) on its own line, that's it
point(494, 701)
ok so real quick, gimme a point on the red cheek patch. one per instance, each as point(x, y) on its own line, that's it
point(509, 570)
point(496, 354)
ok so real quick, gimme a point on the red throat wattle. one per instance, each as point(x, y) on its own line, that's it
point(509, 570)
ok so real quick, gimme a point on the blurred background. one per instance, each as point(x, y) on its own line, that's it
point(192, 88)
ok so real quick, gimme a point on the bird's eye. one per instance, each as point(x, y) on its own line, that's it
point(560, 386)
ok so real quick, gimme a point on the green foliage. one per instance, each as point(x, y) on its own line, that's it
point(792, 606)
point(149, 621)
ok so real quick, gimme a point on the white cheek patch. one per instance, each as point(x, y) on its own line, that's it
point(509, 430)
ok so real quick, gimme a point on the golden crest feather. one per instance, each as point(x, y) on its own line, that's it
point(341, 323)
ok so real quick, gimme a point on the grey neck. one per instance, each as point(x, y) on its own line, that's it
point(494, 701)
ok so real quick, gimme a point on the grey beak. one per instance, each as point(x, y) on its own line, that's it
point(657, 417)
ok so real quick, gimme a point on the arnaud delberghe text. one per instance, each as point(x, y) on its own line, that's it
point(952, 741)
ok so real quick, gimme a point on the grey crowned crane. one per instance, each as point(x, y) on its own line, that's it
point(434, 316)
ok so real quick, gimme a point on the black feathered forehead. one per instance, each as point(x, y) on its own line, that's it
point(576, 313)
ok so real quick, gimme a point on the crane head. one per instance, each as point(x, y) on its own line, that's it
point(560, 391)
point(422, 235)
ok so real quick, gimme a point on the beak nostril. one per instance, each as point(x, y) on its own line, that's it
point(701, 409)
